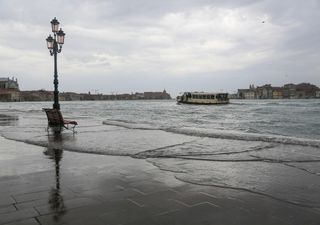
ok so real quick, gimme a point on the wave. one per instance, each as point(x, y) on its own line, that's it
point(128, 125)
point(245, 136)
point(221, 134)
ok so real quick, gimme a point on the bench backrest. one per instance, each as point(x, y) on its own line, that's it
point(54, 117)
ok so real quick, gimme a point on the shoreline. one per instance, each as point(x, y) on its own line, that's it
point(70, 188)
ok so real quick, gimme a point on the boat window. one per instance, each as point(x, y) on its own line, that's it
point(212, 96)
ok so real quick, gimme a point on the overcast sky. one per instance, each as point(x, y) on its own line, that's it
point(144, 45)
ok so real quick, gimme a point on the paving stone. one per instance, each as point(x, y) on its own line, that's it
point(26, 188)
point(7, 209)
point(143, 221)
point(149, 186)
point(96, 183)
point(6, 200)
point(120, 195)
point(89, 214)
point(207, 214)
point(156, 196)
point(124, 216)
point(98, 192)
point(24, 222)
point(17, 216)
point(115, 206)
point(288, 214)
point(228, 203)
point(159, 202)
point(31, 204)
point(62, 219)
point(163, 207)
point(59, 204)
point(32, 196)
point(200, 214)
point(267, 210)
point(195, 198)
point(65, 193)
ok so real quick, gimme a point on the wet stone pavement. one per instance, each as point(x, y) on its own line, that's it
point(50, 186)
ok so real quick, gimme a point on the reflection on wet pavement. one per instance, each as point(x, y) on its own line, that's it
point(56, 201)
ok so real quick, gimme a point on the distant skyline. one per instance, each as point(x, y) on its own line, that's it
point(126, 46)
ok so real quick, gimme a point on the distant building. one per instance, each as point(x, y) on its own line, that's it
point(264, 92)
point(247, 93)
point(277, 93)
point(156, 95)
point(305, 90)
point(138, 95)
point(294, 91)
point(36, 96)
point(9, 90)
point(69, 96)
point(43, 95)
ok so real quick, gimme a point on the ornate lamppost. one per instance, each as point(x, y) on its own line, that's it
point(54, 45)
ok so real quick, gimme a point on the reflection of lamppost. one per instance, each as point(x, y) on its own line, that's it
point(56, 201)
point(52, 43)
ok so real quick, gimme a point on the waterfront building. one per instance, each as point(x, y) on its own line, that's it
point(247, 93)
point(264, 92)
point(157, 95)
point(69, 96)
point(9, 90)
point(36, 95)
point(277, 93)
point(293, 91)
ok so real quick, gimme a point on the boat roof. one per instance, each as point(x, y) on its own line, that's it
point(206, 93)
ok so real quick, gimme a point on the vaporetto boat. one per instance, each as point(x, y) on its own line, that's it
point(206, 98)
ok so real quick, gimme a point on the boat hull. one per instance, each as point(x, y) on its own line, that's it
point(203, 103)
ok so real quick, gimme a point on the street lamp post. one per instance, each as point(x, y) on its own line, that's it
point(54, 45)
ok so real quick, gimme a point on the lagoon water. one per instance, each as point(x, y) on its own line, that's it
point(267, 147)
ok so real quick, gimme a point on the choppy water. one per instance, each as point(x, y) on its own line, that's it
point(270, 147)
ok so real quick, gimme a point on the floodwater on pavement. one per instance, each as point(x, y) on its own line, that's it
point(269, 147)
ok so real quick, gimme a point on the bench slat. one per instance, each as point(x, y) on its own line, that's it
point(55, 118)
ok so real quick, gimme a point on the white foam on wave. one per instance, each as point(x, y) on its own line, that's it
point(244, 136)
point(221, 134)
point(129, 125)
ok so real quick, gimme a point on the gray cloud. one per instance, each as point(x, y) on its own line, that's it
point(179, 45)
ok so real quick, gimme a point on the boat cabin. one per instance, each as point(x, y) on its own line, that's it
point(203, 98)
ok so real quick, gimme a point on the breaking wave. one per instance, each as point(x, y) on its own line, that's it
point(128, 125)
point(221, 134)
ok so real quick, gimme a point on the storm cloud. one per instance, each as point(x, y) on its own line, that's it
point(141, 45)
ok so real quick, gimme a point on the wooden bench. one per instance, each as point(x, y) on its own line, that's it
point(56, 121)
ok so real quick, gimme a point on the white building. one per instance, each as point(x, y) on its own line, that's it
point(9, 90)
